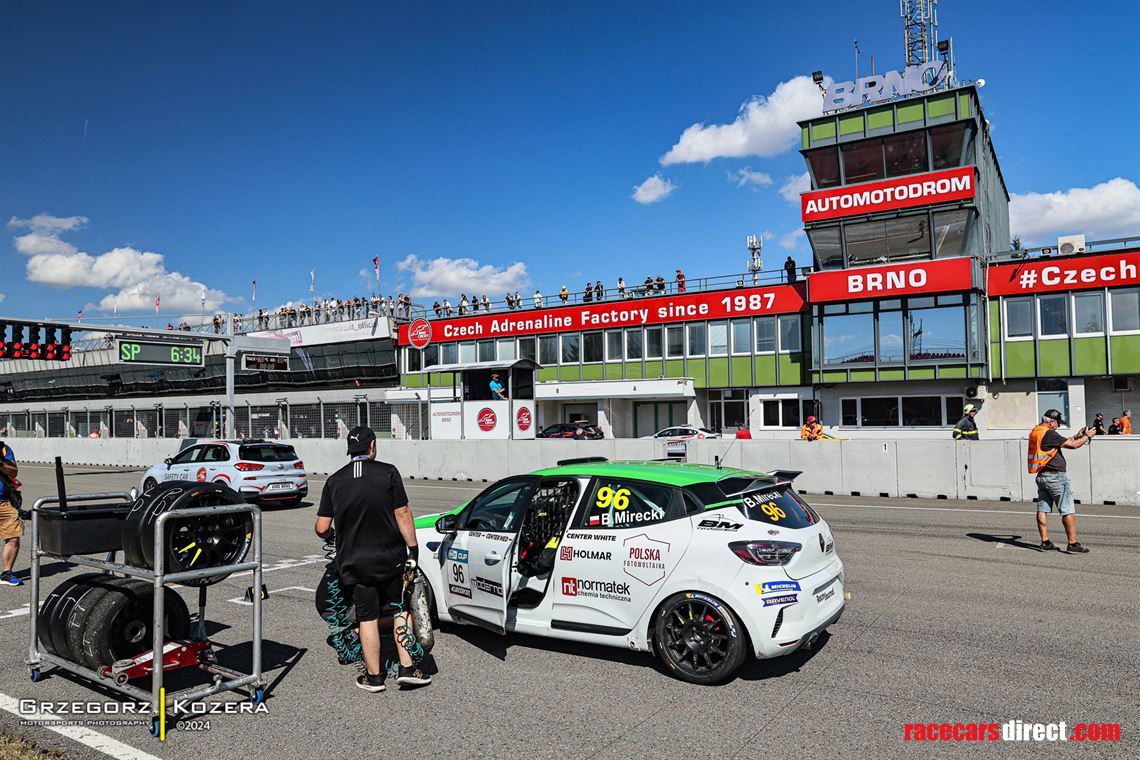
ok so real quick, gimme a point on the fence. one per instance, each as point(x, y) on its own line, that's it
point(283, 420)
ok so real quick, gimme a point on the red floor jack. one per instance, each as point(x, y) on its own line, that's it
point(175, 656)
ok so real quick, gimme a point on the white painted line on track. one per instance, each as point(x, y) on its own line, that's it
point(285, 564)
point(241, 599)
point(1083, 515)
point(18, 612)
point(85, 736)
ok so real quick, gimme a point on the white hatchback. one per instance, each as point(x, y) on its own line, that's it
point(260, 470)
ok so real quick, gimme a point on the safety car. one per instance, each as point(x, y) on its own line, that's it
point(263, 471)
point(702, 566)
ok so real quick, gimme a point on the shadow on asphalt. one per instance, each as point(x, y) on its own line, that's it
point(497, 646)
point(1010, 540)
point(282, 507)
point(46, 571)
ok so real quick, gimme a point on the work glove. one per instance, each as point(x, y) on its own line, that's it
point(413, 557)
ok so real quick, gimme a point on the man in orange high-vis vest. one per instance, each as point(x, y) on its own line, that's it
point(1126, 422)
point(1053, 486)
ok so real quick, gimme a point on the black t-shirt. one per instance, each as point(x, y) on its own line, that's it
point(1053, 440)
point(361, 498)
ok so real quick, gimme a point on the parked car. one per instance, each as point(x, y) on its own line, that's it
point(260, 470)
point(702, 567)
point(578, 431)
point(676, 438)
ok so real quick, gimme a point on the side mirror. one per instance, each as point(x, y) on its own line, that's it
point(169, 461)
point(447, 524)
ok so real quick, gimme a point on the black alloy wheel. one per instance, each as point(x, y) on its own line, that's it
point(699, 638)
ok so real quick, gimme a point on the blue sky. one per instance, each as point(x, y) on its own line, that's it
point(177, 148)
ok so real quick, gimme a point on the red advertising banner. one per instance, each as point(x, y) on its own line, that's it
point(681, 307)
point(889, 195)
point(1065, 273)
point(945, 276)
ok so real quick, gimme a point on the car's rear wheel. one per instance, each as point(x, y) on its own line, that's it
point(148, 484)
point(699, 638)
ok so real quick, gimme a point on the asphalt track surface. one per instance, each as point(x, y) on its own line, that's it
point(956, 617)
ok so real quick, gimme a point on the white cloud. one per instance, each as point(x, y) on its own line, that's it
point(792, 240)
point(1110, 209)
point(765, 126)
point(448, 277)
point(2, 297)
point(793, 186)
point(745, 176)
point(654, 189)
point(138, 276)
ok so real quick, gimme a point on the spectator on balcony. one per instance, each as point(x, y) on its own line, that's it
point(621, 288)
point(599, 291)
point(660, 284)
point(537, 299)
point(486, 303)
point(564, 294)
point(518, 300)
point(438, 309)
point(790, 270)
point(462, 304)
point(588, 294)
point(447, 307)
point(509, 300)
point(647, 286)
point(474, 304)
point(680, 278)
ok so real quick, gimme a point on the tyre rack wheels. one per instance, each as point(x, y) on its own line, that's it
point(193, 543)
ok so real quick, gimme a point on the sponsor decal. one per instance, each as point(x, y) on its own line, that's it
point(1064, 273)
point(946, 276)
point(820, 598)
point(488, 587)
point(769, 586)
point(487, 420)
point(715, 604)
point(201, 475)
point(774, 601)
point(888, 195)
point(419, 333)
point(645, 558)
point(457, 555)
point(459, 590)
point(591, 536)
point(568, 553)
point(718, 523)
point(611, 590)
point(523, 418)
point(673, 308)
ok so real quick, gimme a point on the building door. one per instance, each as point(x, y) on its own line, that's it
point(652, 416)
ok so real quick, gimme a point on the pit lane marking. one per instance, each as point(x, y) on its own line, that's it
point(949, 509)
point(241, 599)
point(85, 736)
point(17, 612)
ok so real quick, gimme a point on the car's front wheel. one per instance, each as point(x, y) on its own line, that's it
point(699, 638)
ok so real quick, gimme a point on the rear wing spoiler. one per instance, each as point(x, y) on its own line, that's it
point(786, 475)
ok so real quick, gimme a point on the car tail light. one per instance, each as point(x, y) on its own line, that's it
point(700, 435)
point(298, 465)
point(765, 552)
point(249, 466)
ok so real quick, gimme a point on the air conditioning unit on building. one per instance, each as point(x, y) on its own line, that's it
point(1121, 384)
point(1069, 244)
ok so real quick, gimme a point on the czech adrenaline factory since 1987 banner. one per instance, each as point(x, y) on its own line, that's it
point(1055, 273)
point(889, 195)
point(634, 312)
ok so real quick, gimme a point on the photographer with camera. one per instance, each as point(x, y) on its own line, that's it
point(11, 523)
point(1053, 487)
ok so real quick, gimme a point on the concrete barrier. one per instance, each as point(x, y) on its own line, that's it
point(1106, 471)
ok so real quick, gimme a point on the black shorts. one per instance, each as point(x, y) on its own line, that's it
point(372, 599)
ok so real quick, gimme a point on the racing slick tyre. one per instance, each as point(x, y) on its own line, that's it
point(120, 625)
point(47, 627)
point(194, 543)
point(76, 623)
point(699, 638)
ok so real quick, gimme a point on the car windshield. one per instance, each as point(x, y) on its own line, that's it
point(266, 452)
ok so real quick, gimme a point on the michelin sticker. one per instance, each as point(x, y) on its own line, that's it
point(770, 586)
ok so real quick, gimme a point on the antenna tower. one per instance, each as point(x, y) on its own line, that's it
point(920, 30)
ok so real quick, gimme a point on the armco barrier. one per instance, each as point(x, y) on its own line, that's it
point(1105, 471)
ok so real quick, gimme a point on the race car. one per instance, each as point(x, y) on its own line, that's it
point(263, 471)
point(701, 566)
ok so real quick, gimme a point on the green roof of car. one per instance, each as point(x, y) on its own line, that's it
point(669, 473)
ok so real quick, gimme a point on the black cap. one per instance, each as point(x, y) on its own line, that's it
point(359, 440)
point(1054, 415)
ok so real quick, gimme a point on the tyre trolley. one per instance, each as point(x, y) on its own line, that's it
point(69, 534)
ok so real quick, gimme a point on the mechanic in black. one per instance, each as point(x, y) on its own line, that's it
point(375, 542)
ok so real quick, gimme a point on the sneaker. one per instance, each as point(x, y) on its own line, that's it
point(412, 676)
point(8, 578)
point(1047, 546)
point(1076, 548)
point(371, 683)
